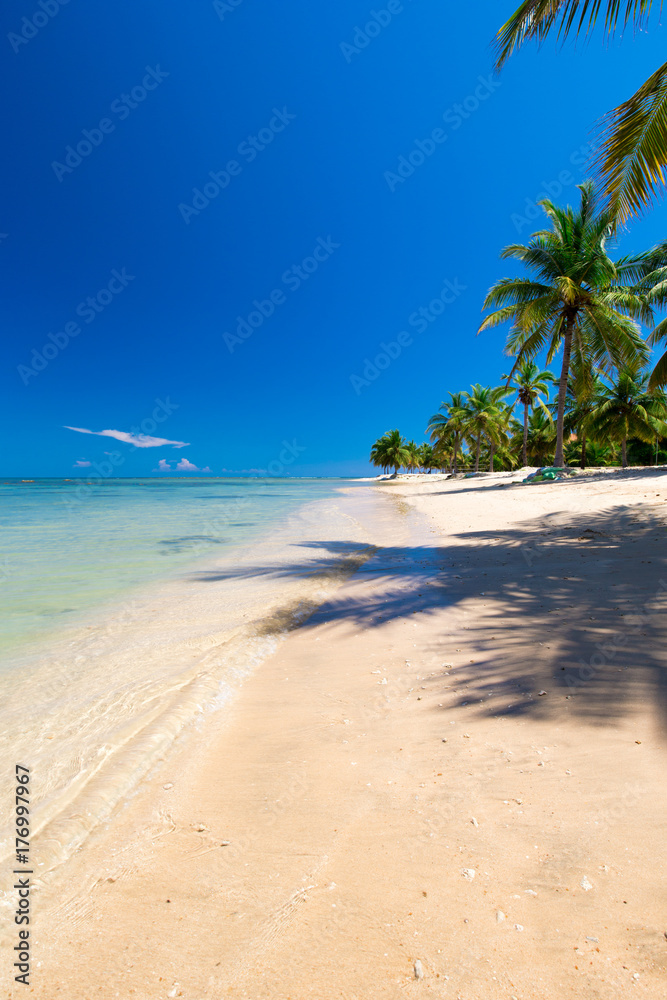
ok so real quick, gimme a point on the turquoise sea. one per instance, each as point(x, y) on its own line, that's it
point(69, 546)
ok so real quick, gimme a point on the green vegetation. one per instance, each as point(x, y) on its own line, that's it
point(609, 408)
point(634, 135)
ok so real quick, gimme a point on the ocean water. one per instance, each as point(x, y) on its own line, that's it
point(68, 547)
point(133, 611)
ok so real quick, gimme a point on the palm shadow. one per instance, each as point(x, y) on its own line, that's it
point(573, 608)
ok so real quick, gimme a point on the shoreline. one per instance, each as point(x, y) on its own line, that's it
point(176, 648)
point(423, 771)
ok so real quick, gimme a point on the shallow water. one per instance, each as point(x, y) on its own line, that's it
point(68, 546)
point(144, 610)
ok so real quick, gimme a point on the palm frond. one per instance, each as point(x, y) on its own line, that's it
point(534, 19)
point(634, 147)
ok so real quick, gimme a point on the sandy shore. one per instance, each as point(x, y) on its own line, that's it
point(457, 763)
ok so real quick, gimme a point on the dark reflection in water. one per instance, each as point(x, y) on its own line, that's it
point(188, 542)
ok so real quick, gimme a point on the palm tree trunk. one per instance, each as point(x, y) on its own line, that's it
point(562, 390)
point(624, 452)
point(583, 449)
point(525, 434)
point(479, 442)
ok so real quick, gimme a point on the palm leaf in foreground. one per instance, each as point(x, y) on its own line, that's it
point(533, 20)
point(634, 147)
point(633, 155)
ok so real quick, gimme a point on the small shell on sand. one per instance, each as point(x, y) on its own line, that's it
point(419, 970)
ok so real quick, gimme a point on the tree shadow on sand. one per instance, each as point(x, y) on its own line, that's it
point(566, 603)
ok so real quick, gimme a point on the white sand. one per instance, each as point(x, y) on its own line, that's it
point(393, 746)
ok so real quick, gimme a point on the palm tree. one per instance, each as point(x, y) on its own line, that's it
point(627, 409)
point(414, 455)
point(541, 435)
point(427, 457)
point(449, 421)
point(601, 454)
point(390, 451)
point(577, 300)
point(634, 150)
point(529, 382)
point(483, 417)
point(584, 384)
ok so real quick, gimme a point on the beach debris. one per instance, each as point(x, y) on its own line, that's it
point(383, 681)
point(200, 828)
point(225, 843)
point(500, 917)
point(468, 873)
point(170, 784)
point(419, 970)
point(474, 822)
point(466, 736)
point(541, 693)
point(518, 927)
point(593, 939)
point(530, 892)
point(444, 741)
point(519, 802)
point(585, 884)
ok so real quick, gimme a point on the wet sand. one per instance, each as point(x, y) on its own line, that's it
point(457, 761)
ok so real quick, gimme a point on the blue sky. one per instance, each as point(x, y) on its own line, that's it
point(253, 201)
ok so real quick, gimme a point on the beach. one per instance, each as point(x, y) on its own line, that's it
point(443, 771)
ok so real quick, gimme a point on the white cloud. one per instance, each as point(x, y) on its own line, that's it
point(81, 464)
point(138, 440)
point(163, 466)
point(185, 466)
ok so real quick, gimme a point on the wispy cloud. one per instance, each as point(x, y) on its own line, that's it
point(138, 440)
point(81, 463)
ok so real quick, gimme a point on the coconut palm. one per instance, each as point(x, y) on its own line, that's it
point(414, 456)
point(484, 417)
point(427, 457)
point(447, 426)
point(541, 436)
point(634, 146)
point(529, 382)
point(627, 409)
point(584, 385)
point(390, 451)
point(577, 298)
point(601, 454)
